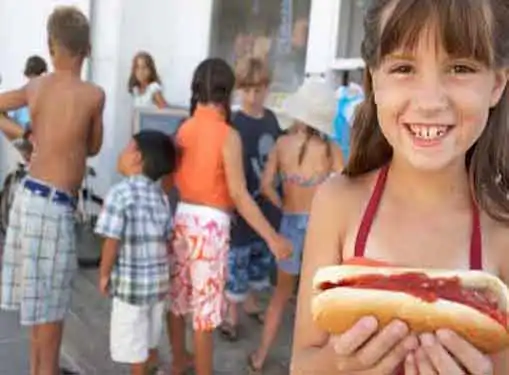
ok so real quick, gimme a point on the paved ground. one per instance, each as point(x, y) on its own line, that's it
point(86, 337)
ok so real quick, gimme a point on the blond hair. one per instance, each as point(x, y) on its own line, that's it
point(251, 72)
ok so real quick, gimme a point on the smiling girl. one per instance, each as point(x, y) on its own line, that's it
point(426, 184)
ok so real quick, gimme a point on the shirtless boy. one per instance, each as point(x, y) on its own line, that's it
point(40, 254)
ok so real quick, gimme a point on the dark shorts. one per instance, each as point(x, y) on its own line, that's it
point(248, 269)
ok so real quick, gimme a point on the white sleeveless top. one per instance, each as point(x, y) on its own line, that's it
point(146, 99)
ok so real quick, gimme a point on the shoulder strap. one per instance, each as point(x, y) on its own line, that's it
point(370, 212)
point(476, 239)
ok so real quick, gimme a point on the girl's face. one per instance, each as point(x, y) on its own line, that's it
point(432, 107)
point(142, 71)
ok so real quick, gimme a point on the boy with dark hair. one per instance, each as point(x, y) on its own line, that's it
point(35, 66)
point(40, 253)
point(136, 225)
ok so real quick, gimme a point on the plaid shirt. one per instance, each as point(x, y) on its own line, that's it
point(137, 213)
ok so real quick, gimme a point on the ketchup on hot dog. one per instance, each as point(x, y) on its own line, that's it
point(428, 289)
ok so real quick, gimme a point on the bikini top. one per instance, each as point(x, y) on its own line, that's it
point(372, 208)
point(303, 181)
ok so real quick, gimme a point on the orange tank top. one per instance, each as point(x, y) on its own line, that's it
point(201, 177)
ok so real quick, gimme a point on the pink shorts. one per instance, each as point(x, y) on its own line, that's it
point(198, 264)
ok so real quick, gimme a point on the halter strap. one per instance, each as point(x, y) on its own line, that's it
point(372, 208)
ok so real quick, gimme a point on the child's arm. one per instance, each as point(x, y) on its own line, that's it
point(11, 129)
point(108, 259)
point(111, 226)
point(95, 139)
point(159, 100)
point(14, 99)
point(268, 178)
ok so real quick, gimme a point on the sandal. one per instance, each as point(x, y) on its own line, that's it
point(228, 331)
point(251, 368)
point(65, 371)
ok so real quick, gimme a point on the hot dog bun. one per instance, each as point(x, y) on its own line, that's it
point(338, 309)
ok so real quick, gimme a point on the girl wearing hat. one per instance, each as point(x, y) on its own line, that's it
point(302, 159)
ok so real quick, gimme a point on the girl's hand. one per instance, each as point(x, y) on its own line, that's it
point(361, 351)
point(446, 353)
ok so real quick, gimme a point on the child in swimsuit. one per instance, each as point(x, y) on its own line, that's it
point(303, 159)
point(421, 187)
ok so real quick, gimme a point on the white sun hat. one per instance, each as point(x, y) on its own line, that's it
point(313, 104)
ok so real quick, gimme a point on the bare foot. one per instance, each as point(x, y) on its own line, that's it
point(254, 366)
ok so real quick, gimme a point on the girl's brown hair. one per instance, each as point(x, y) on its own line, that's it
point(149, 61)
point(466, 28)
point(313, 133)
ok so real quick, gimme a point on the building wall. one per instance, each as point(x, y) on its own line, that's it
point(119, 29)
point(175, 32)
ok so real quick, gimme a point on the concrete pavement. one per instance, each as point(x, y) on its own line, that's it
point(85, 345)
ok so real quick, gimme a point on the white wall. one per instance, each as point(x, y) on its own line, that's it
point(176, 32)
point(161, 27)
point(322, 39)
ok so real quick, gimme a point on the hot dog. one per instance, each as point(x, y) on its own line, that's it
point(471, 303)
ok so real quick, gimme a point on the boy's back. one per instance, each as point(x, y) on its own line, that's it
point(65, 111)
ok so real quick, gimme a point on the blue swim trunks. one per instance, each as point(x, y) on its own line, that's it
point(248, 269)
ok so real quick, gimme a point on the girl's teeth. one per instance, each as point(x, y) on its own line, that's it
point(428, 132)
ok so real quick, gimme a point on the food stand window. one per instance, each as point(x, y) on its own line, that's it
point(275, 30)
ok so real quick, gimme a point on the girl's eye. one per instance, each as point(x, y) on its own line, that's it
point(401, 69)
point(462, 69)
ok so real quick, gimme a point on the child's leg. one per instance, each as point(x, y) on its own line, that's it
point(34, 350)
point(181, 359)
point(49, 337)
point(204, 354)
point(153, 359)
point(273, 315)
point(139, 369)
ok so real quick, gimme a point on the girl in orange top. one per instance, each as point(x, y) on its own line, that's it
point(426, 184)
point(211, 184)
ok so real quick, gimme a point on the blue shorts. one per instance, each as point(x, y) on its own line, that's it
point(248, 269)
point(293, 227)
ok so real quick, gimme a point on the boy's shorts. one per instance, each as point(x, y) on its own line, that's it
point(39, 259)
point(248, 269)
point(134, 330)
point(293, 227)
point(198, 264)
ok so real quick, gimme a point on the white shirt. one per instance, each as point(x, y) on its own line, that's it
point(146, 99)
